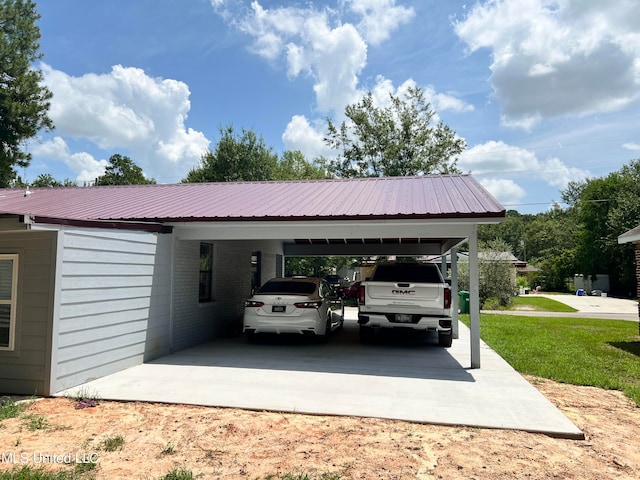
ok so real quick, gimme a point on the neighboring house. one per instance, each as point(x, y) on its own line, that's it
point(463, 257)
point(633, 237)
point(98, 279)
point(592, 284)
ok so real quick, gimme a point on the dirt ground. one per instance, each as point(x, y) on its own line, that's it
point(237, 444)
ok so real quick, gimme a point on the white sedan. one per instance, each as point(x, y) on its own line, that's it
point(302, 305)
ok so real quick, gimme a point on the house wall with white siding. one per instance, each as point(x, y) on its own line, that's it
point(113, 302)
point(26, 369)
point(96, 301)
point(195, 322)
point(637, 254)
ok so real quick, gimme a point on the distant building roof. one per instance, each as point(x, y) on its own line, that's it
point(463, 257)
point(632, 235)
point(423, 197)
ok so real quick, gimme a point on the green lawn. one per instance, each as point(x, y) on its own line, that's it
point(600, 353)
point(540, 304)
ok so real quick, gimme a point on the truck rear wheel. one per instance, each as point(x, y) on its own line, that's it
point(445, 339)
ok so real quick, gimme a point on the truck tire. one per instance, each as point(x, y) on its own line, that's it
point(445, 339)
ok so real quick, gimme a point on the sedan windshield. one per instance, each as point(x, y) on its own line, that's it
point(286, 286)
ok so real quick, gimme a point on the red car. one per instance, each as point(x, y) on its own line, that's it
point(351, 291)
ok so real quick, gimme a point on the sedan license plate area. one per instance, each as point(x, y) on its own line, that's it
point(403, 318)
point(278, 308)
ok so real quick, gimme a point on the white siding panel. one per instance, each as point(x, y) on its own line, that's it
point(99, 334)
point(90, 322)
point(75, 310)
point(111, 345)
point(114, 281)
point(124, 244)
point(112, 258)
point(98, 365)
point(100, 270)
point(112, 293)
point(114, 302)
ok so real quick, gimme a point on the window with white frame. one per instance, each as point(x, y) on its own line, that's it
point(8, 289)
point(206, 272)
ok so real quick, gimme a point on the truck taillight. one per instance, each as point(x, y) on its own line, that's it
point(447, 298)
point(361, 295)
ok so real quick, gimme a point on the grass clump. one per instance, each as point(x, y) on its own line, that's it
point(30, 473)
point(168, 449)
point(111, 444)
point(578, 351)
point(83, 467)
point(35, 422)
point(178, 474)
point(10, 409)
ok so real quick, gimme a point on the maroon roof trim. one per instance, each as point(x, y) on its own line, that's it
point(146, 227)
point(325, 218)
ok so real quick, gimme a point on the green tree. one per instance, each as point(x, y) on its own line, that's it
point(122, 171)
point(47, 180)
point(292, 165)
point(236, 158)
point(605, 208)
point(512, 231)
point(397, 140)
point(496, 274)
point(24, 101)
point(316, 266)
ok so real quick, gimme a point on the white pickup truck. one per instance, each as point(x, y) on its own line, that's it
point(405, 295)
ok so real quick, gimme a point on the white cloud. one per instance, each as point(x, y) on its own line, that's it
point(131, 113)
point(506, 191)
point(312, 42)
point(497, 162)
point(632, 146)
point(337, 57)
point(321, 43)
point(301, 135)
point(86, 168)
point(325, 46)
point(497, 158)
point(379, 18)
point(439, 101)
point(555, 58)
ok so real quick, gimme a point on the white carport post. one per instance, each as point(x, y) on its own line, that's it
point(455, 300)
point(474, 298)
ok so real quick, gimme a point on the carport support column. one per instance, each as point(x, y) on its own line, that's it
point(474, 298)
point(455, 299)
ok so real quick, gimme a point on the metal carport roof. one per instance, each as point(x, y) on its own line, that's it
point(421, 215)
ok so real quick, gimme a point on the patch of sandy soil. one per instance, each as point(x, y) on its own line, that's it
point(236, 444)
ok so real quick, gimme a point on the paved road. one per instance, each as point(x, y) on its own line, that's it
point(588, 307)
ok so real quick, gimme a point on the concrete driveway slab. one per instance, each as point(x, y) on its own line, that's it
point(595, 304)
point(411, 381)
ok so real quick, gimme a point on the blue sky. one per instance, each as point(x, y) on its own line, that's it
point(543, 91)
